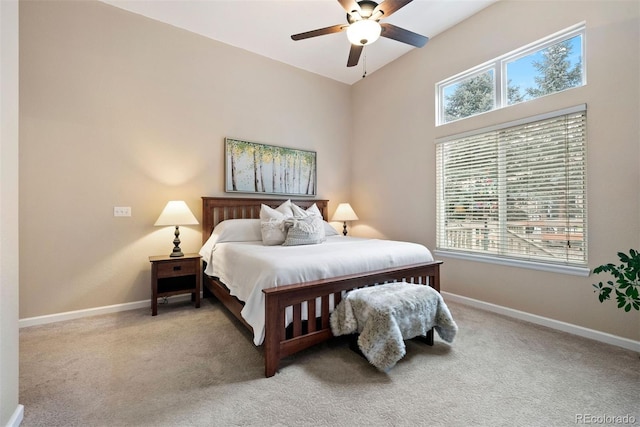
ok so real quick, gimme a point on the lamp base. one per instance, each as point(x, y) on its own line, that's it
point(177, 252)
point(344, 228)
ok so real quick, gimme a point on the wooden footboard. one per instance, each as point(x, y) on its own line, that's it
point(281, 341)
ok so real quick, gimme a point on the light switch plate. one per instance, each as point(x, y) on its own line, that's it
point(121, 211)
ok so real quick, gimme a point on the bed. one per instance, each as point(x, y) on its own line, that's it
point(296, 315)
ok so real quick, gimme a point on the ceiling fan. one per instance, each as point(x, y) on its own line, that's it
point(364, 26)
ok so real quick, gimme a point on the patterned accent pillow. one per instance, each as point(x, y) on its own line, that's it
point(304, 231)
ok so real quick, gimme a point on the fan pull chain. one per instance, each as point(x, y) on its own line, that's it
point(364, 63)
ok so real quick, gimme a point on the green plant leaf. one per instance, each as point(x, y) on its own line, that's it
point(627, 281)
point(605, 294)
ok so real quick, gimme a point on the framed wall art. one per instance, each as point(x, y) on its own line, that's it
point(251, 167)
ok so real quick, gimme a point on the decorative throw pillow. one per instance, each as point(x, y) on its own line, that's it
point(311, 210)
point(272, 223)
point(267, 212)
point(304, 231)
point(273, 232)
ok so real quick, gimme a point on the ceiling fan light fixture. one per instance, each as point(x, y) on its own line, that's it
point(364, 32)
point(363, 26)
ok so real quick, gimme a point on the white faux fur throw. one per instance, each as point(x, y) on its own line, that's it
point(386, 315)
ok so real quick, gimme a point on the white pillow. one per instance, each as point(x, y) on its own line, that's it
point(314, 210)
point(304, 231)
point(329, 230)
point(311, 210)
point(232, 230)
point(272, 223)
point(284, 210)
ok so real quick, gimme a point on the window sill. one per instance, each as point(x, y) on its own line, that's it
point(532, 265)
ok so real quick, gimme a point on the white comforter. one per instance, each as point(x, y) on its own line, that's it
point(247, 268)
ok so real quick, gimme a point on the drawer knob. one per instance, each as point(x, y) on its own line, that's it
point(177, 268)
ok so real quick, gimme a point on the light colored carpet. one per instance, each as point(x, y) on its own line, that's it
point(198, 367)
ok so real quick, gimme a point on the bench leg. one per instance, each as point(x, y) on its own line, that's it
point(353, 345)
point(427, 339)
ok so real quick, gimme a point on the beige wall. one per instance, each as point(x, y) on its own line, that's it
point(9, 412)
point(120, 110)
point(397, 200)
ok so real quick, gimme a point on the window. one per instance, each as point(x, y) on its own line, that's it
point(545, 67)
point(471, 95)
point(516, 192)
point(542, 71)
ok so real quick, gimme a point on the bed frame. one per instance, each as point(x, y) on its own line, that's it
point(281, 341)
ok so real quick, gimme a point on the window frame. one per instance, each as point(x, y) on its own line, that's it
point(499, 67)
point(460, 78)
point(513, 259)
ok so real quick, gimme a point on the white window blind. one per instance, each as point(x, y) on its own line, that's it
point(516, 190)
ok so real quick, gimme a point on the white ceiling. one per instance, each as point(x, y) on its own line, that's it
point(265, 27)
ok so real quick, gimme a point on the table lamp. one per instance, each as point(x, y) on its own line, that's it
point(344, 213)
point(176, 213)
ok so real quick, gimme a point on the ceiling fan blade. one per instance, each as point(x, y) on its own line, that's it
point(400, 34)
point(350, 5)
point(319, 32)
point(389, 6)
point(354, 55)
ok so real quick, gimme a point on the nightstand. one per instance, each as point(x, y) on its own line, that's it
point(174, 276)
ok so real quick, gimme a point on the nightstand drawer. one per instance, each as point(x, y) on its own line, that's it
point(178, 268)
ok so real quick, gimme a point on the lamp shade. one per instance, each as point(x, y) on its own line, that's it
point(176, 213)
point(364, 32)
point(344, 212)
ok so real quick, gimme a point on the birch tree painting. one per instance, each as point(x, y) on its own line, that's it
point(269, 169)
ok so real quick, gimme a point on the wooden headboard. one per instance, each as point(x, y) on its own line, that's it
point(216, 209)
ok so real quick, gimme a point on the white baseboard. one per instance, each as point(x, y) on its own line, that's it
point(544, 321)
point(69, 315)
point(16, 418)
point(521, 315)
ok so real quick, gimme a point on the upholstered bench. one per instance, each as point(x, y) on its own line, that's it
point(386, 315)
